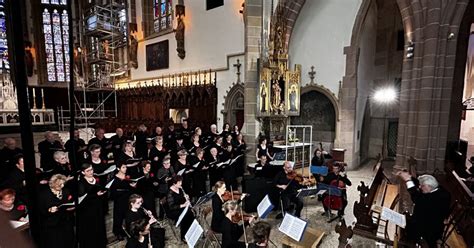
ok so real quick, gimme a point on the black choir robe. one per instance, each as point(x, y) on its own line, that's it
point(57, 229)
point(91, 216)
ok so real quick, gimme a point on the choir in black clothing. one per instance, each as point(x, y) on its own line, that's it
point(56, 219)
point(15, 210)
point(47, 148)
point(91, 222)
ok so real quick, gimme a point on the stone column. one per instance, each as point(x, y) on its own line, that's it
point(253, 28)
point(427, 79)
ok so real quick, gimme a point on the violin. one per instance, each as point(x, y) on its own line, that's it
point(305, 181)
point(227, 196)
point(238, 217)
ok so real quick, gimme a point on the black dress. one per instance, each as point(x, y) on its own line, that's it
point(239, 149)
point(15, 181)
point(47, 150)
point(199, 176)
point(17, 212)
point(134, 243)
point(217, 214)
point(187, 176)
point(91, 216)
point(132, 170)
point(120, 191)
point(231, 233)
point(146, 187)
point(174, 201)
point(156, 157)
point(56, 228)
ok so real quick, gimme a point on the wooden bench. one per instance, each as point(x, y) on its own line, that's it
point(381, 193)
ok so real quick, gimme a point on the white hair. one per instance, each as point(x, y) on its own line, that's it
point(428, 180)
point(213, 126)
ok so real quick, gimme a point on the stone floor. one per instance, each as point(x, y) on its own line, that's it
point(312, 213)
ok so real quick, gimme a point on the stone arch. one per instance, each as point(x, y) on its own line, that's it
point(234, 106)
point(318, 108)
point(325, 91)
point(290, 11)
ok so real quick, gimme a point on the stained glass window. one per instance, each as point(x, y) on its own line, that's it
point(4, 64)
point(162, 14)
point(56, 40)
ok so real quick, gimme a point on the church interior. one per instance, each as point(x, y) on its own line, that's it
point(237, 123)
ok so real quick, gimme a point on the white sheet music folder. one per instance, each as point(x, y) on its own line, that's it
point(293, 227)
point(264, 207)
point(193, 234)
point(181, 216)
point(394, 217)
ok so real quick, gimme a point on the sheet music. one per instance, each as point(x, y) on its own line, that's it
point(17, 224)
point(222, 163)
point(69, 204)
point(394, 217)
point(321, 192)
point(293, 227)
point(81, 198)
point(196, 164)
point(107, 186)
point(109, 170)
point(136, 179)
point(264, 207)
point(132, 164)
point(235, 159)
point(181, 216)
point(193, 234)
point(181, 172)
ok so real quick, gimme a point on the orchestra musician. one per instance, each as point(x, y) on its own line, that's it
point(288, 186)
point(139, 231)
point(91, 213)
point(337, 177)
point(57, 228)
point(231, 231)
point(137, 212)
point(431, 208)
point(261, 234)
point(177, 201)
point(217, 211)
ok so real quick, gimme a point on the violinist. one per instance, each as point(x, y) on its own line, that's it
point(231, 231)
point(337, 177)
point(286, 182)
point(217, 202)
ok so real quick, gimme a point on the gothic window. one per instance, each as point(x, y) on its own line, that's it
point(158, 17)
point(162, 15)
point(4, 65)
point(56, 40)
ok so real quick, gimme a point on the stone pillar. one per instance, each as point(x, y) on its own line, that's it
point(427, 77)
point(253, 28)
point(346, 138)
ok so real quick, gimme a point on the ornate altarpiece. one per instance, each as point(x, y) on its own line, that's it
point(278, 95)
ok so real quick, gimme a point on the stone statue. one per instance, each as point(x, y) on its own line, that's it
point(263, 98)
point(179, 35)
point(133, 51)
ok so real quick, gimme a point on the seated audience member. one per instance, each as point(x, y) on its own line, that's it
point(431, 208)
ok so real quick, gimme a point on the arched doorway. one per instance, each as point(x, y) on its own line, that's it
point(233, 112)
point(318, 110)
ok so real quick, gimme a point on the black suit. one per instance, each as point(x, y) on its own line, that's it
point(428, 215)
